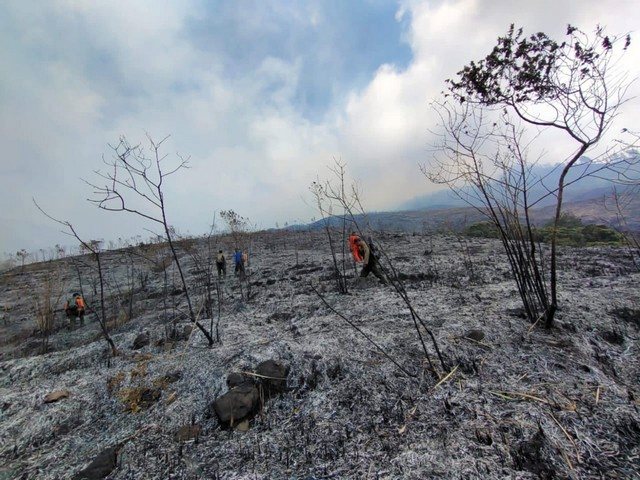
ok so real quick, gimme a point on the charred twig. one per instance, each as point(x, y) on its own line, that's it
point(361, 332)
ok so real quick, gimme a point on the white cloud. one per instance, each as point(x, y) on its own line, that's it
point(76, 75)
point(385, 131)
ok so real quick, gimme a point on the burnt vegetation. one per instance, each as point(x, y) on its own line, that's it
point(493, 118)
point(564, 404)
point(295, 366)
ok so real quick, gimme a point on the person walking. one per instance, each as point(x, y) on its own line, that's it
point(221, 264)
point(74, 308)
point(370, 261)
point(239, 263)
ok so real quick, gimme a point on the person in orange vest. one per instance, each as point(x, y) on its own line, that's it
point(369, 260)
point(353, 246)
point(74, 308)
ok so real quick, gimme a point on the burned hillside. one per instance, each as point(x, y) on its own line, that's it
point(516, 400)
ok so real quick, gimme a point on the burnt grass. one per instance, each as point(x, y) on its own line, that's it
point(521, 402)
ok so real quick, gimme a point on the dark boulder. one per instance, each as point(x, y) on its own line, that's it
point(273, 376)
point(474, 334)
point(101, 466)
point(237, 404)
point(236, 379)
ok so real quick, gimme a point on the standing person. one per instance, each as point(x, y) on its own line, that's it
point(239, 264)
point(74, 308)
point(353, 246)
point(221, 264)
point(369, 260)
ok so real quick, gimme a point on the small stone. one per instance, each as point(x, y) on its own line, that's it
point(142, 340)
point(165, 380)
point(55, 396)
point(186, 332)
point(475, 334)
point(243, 426)
point(188, 432)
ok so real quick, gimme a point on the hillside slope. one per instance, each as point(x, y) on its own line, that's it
point(514, 401)
point(593, 206)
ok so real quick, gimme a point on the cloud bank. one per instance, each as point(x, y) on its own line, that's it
point(261, 95)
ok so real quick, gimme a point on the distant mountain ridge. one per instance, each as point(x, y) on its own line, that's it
point(590, 186)
point(594, 205)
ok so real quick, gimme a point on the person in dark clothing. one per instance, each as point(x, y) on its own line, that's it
point(369, 260)
point(221, 264)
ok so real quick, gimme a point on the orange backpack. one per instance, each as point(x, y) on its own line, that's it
point(355, 249)
point(80, 302)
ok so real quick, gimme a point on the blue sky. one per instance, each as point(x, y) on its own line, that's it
point(261, 94)
point(333, 54)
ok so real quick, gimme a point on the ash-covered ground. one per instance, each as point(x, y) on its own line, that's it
point(520, 402)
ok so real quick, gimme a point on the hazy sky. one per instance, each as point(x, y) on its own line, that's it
point(261, 94)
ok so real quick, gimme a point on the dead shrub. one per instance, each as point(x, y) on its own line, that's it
point(140, 370)
point(138, 398)
point(49, 295)
point(165, 380)
point(114, 383)
point(161, 264)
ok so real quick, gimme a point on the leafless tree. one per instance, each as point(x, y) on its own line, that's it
point(208, 279)
point(134, 183)
point(349, 200)
point(92, 247)
point(328, 195)
point(22, 254)
point(494, 112)
point(238, 227)
point(621, 201)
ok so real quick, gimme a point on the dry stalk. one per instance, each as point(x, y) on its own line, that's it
point(523, 395)
point(446, 377)
point(261, 376)
point(482, 344)
point(533, 325)
point(569, 437)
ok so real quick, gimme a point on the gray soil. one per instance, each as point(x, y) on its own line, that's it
point(515, 401)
